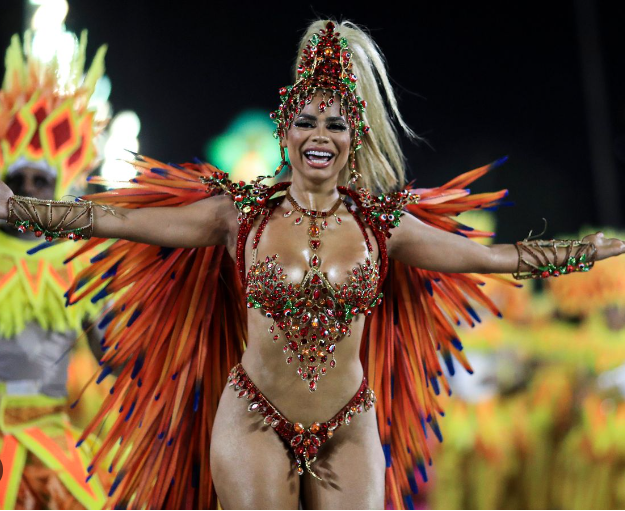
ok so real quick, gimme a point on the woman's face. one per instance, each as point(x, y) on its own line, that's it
point(318, 142)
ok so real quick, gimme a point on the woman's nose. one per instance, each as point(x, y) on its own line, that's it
point(320, 138)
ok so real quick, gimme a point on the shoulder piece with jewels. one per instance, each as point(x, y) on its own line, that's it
point(383, 212)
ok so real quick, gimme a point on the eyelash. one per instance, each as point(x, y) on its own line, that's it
point(335, 126)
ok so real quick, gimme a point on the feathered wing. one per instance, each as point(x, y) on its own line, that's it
point(175, 341)
point(406, 334)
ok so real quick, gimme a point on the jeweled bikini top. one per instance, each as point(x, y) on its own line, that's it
point(314, 314)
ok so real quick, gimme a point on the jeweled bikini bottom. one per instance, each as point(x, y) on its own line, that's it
point(303, 442)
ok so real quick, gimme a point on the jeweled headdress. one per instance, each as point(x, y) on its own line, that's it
point(46, 119)
point(325, 66)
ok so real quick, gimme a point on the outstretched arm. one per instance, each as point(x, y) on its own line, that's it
point(203, 223)
point(210, 221)
point(418, 244)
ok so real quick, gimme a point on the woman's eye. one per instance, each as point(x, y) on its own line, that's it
point(337, 127)
point(303, 124)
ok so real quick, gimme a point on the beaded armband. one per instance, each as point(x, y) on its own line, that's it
point(383, 212)
point(543, 260)
point(53, 219)
point(250, 199)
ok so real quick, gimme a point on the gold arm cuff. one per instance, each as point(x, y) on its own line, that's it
point(52, 219)
point(552, 258)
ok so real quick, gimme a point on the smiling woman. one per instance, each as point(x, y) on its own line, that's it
point(346, 294)
point(318, 142)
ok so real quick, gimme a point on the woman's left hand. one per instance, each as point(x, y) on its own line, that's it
point(606, 247)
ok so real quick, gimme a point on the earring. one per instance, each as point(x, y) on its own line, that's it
point(353, 175)
point(283, 163)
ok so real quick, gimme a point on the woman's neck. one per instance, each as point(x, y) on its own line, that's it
point(315, 196)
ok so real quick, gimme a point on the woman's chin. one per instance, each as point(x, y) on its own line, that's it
point(317, 174)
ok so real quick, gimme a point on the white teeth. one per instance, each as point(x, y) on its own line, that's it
point(321, 154)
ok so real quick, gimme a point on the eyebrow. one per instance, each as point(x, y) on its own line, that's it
point(314, 118)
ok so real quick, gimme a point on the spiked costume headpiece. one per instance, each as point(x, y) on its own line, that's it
point(325, 66)
point(42, 118)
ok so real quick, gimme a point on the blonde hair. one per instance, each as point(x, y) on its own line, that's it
point(380, 159)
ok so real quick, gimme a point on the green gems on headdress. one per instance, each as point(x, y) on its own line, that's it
point(325, 66)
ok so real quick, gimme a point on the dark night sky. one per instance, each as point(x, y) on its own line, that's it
point(478, 83)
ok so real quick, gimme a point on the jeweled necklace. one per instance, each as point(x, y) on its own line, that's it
point(314, 239)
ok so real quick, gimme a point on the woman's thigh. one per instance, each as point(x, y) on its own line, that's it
point(250, 465)
point(352, 467)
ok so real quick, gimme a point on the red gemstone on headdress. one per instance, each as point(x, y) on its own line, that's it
point(272, 115)
point(300, 69)
point(352, 78)
point(322, 106)
point(282, 91)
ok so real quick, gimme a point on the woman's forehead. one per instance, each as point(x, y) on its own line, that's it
point(331, 110)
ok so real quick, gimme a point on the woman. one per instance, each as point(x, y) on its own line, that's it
point(289, 271)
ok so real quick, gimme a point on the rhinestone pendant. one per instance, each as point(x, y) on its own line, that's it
point(315, 262)
point(299, 220)
point(324, 224)
point(288, 214)
point(338, 219)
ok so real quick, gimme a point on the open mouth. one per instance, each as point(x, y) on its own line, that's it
point(318, 158)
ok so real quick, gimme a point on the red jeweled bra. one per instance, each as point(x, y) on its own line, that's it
point(314, 314)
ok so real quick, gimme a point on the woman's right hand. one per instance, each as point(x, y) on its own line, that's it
point(5, 194)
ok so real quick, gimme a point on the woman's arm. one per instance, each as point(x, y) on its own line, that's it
point(210, 221)
point(204, 223)
point(418, 244)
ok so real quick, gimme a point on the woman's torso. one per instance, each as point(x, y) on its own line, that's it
point(343, 248)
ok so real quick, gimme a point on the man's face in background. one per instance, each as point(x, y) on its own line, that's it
point(30, 182)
